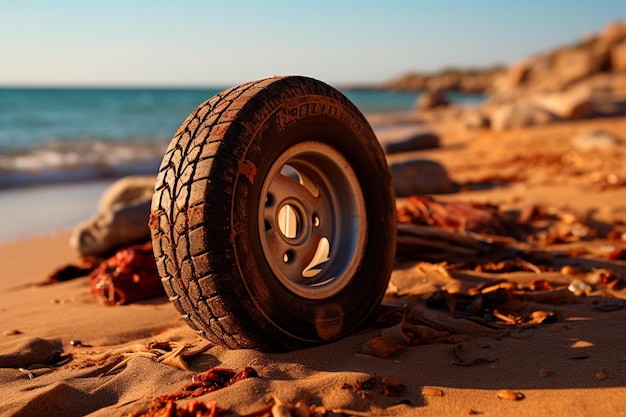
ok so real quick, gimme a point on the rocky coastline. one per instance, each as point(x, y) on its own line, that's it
point(584, 79)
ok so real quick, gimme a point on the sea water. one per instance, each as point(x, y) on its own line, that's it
point(61, 147)
point(52, 135)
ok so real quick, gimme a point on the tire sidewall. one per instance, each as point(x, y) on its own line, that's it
point(336, 122)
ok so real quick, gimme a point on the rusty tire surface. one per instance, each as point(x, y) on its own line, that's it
point(223, 234)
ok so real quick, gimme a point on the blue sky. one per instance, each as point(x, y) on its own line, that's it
point(219, 43)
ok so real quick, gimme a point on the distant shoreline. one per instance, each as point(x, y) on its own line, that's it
point(412, 81)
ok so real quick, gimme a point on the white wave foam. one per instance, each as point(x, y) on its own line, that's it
point(79, 161)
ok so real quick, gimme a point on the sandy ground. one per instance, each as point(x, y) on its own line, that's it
point(574, 365)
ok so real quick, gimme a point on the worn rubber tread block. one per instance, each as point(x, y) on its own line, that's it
point(168, 287)
point(205, 273)
point(188, 319)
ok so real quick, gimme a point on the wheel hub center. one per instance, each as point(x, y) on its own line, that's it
point(312, 220)
point(289, 221)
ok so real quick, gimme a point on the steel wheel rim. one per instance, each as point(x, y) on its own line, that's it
point(312, 220)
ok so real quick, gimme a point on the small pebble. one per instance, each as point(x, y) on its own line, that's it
point(579, 288)
point(11, 332)
point(381, 347)
point(59, 301)
point(507, 394)
point(76, 343)
point(569, 270)
point(539, 316)
point(601, 376)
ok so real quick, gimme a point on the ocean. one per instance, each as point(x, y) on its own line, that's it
point(52, 135)
point(68, 144)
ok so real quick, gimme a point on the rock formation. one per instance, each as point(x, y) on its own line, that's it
point(121, 220)
point(579, 81)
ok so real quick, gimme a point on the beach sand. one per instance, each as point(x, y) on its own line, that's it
point(572, 366)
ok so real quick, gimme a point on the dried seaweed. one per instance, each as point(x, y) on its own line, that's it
point(191, 408)
point(128, 276)
point(209, 381)
point(461, 216)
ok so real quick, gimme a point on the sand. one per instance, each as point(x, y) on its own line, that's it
point(573, 366)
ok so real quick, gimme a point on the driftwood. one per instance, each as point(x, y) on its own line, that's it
point(432, 242)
